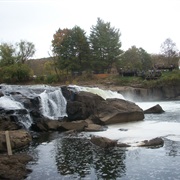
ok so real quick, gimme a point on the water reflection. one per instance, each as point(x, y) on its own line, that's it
point(78, 157)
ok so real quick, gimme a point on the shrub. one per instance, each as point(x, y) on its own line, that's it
point(15, 73)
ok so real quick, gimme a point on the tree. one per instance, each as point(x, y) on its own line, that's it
point(7, 54)
point(105, 45)
point(72, 49)
point(135, 58)
point(25, 50)
point(170, 52)
point(145, 59)
point(12, 61)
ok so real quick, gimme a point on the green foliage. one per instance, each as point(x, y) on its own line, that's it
point(15, 73)
point(72, 49)
point(6, 54)
point(135, 58)
point(105, 45)
point(167, 79)
point(12, 60)
point(25, 50)
point(52, 78)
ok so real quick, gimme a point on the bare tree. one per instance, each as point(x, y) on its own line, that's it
point(170, 51)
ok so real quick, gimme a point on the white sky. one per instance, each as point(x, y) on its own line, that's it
point(143, 23)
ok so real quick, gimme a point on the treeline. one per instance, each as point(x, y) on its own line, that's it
point(75, 52)
point(12, 61)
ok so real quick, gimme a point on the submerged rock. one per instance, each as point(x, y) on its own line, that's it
point(103, 142)
point(157, 109)
point(153, 142)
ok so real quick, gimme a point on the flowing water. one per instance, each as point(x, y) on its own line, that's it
point(59, 156)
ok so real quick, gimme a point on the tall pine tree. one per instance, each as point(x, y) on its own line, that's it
point(105, 45)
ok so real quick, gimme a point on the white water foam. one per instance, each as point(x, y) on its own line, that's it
point(105, 94)
point(53, 104)
point(134, 132)
point(8, 103)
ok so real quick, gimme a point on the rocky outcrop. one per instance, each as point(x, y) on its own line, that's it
point(14, 166)
point(157, 109)
point(117, 111)
point(18, 139)
point(88, 105)
point(149, 94)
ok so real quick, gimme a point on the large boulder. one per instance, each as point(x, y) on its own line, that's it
point(83, 105)
point(118, 110)
point(18, 139)
point(87, 105)
point(157, 109)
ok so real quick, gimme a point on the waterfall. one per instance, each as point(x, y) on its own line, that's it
point(8, 103)
point(105, 94)
point(53, 104)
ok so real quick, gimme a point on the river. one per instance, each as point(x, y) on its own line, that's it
point(59, 156)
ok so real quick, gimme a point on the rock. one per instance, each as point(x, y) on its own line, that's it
point(103, 142)
point(77, 110)
point(157, 109)
point(88, 105)
point(8, 123)
point(1, 94)
point(153, 142)
point(123, 145)
point(83, 105)
point(44, 125)
point(94, 127)
point(150, 94)
point(14, 167)
point(74, 125)
point(18, 138)
point(117, 111)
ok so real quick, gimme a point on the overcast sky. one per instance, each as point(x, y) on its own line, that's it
point(143, 23)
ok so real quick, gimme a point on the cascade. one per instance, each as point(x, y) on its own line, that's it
point(105, 94)
point(53, 104)
point(8, 103)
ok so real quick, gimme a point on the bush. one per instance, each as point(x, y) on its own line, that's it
point(15, 73)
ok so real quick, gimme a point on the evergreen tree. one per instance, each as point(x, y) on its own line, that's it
point(105, 45)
